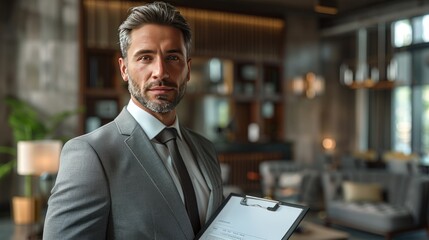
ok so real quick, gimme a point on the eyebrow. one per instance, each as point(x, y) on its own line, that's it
point(176, 51)
point(147, 51)
point(143, 51)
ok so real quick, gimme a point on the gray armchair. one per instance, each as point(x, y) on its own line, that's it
point(289, 181)
point(400, 203)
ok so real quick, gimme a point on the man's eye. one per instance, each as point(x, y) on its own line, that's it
point(144, 58)
point(172, 58)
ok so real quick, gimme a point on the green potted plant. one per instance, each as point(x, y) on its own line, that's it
point(27, 124)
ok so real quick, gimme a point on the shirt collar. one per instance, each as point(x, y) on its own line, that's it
point(150, 124)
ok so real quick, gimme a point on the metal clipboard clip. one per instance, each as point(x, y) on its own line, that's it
point(273, 208)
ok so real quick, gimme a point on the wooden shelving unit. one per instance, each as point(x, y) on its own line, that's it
point(102, 91)
point(251, 80)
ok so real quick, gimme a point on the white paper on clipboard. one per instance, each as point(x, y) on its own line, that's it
point(251, 218)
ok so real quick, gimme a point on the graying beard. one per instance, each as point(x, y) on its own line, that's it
point(158, 107)
point(155, 107)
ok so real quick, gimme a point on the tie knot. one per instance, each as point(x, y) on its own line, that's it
point(166, 135)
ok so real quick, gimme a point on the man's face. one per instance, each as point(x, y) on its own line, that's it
point(156, 68)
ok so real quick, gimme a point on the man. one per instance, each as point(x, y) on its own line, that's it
point(119, 181)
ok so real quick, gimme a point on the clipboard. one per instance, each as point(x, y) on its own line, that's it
point(242, 217)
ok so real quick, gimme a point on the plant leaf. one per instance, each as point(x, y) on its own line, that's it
point(8, 150)
point(7, 168)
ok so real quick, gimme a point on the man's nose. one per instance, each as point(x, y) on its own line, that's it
point(160, 69)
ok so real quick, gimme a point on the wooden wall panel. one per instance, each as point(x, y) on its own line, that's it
point(219, 34)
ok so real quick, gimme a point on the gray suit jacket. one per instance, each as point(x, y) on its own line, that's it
point(113, 185)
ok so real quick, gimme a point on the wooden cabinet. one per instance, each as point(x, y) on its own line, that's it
point(102, 91)
point(243, 160)
point(258, 104)
point(244, 105)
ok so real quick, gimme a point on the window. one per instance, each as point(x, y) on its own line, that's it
point(409, 67)
point(421, 29)
point(425, 119)
point(402, 33)
point(399, 68)
point(402, 119)
point(425, 27)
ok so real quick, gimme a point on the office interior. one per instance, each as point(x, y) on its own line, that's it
point(287, 90)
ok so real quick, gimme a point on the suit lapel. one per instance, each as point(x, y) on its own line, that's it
point(205, 167)
point(145, 154)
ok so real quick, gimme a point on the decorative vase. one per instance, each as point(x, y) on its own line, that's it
point(26, 210)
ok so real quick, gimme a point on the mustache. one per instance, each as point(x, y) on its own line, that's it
point(159, 83)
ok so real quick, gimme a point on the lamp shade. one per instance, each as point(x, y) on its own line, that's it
point(37, 157)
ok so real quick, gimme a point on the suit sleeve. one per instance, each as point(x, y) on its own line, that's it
point(79, 205)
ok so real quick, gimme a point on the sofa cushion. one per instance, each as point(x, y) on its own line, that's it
point(376, 217)
point(358, 192)
point(393, 185)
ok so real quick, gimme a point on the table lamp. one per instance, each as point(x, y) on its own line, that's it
point(34, 159)
point(38, 157)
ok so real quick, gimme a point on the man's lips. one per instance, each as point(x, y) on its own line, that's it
point(160, 84)
point(161, 89)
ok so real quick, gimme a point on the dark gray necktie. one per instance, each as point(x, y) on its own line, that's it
point(168, 137)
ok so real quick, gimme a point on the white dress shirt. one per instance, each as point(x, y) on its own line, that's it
point(152, 127)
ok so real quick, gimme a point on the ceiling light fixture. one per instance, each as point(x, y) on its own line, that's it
point(377, 72)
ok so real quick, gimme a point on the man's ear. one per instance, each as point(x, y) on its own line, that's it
point(123, 68)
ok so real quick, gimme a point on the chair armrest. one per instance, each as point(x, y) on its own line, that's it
point(417, 199)
point(330, 184)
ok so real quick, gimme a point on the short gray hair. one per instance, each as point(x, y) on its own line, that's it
point(158, 13)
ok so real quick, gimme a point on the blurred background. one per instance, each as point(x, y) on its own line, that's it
point(309, 82)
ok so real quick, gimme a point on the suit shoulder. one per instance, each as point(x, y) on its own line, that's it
point(103, 132)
